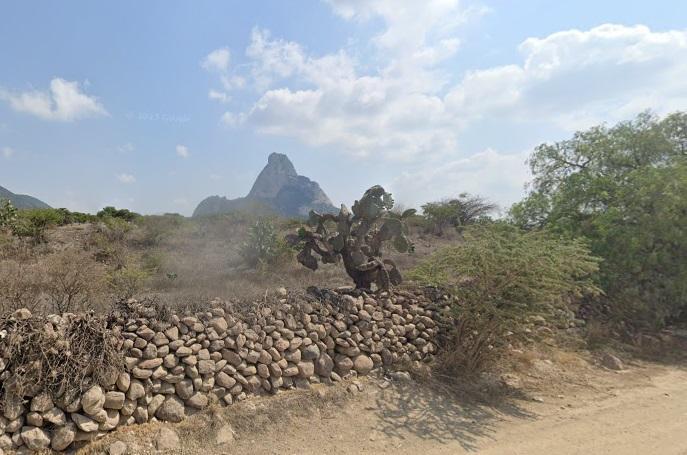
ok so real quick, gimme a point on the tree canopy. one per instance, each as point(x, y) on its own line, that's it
point(625, 189)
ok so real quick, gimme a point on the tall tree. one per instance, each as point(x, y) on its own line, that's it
point(625, 188)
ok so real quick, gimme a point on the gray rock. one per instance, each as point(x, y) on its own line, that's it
point(155, 404)
point(13, 406)
point(306, 369)
point(141, 414)
point(55, 416)
point(5, 442)
point(184, 389)
point(35, 438)
point(123, 381)
point(93, 400)
point(363, 364)
point(343, 364)
point(198, 401)
point(63, 436)
point(136, 390)
point(34, 419)
point(114, 400)
point(84, 423)
point(224, 380)
point(111, 421)
point(612, 362)
point(172, 410)
point(311, 352)
point(324, 365)
point(42, 403)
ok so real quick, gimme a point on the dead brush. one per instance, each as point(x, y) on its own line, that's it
point(63, 360)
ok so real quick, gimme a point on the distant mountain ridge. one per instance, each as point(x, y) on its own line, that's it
point(22, 201)
point(278, 188)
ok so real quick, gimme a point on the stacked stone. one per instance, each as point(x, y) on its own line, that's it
point(180, 366)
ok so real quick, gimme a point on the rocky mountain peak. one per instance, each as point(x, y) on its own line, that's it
point(278, 188)
point(278, 172)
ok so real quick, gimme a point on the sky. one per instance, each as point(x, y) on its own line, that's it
point(155, 105)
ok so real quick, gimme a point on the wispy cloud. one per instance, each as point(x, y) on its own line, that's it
point(126, 148)
point(217, 60)
point(183, 151)
point(126, 178)
point(7, 152)
point(222, 97)
point(64, 102)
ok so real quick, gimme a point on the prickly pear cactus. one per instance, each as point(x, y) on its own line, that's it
point(356, 239)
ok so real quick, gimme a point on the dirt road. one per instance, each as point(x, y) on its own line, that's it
point(641, 412)
point(589, 411)
point(646, 419)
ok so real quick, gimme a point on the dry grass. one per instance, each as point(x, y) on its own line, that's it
point(183, 262)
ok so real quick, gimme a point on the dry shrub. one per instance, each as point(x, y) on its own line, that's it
point(62, 357)
point(128, 281)
point(20, 285)
point(73, 280)
point(474, 344)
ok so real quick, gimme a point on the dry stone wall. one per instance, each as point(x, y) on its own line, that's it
point(174, 366)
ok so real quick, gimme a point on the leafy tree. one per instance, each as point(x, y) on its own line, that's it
point(464, 210)
point(625, 189)
point(112, 212)
point(499, 276)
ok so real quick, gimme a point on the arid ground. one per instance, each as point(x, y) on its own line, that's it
point(563, 405)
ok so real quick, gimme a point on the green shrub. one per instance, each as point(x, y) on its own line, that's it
point(32, 223)
point(264, 248)
point(499, 276)
point(8, 214)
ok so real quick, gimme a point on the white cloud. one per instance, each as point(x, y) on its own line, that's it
point(7, 152)
point(498, 176)
point(407, 109)
point(182, 151)
point(126, 148)
point(126, 178)
point(217, 60)
point(181, 201)
point(222, 97)
point(64, 102)
point(577, 78)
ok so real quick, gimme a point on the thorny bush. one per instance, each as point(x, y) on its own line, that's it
point(63, 357)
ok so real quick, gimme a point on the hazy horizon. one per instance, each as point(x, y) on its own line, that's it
point(154, 106)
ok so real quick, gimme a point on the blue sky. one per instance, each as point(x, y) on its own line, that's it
point(155, 105)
